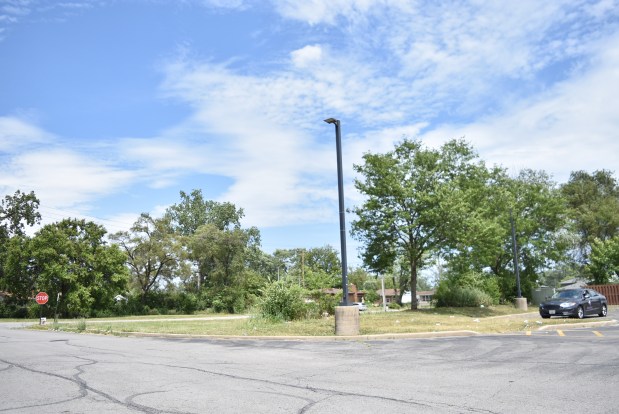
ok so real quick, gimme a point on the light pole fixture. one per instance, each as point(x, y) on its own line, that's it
point(515, 247)
point(340, 186)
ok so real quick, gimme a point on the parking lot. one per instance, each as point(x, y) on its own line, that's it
point(545, 371)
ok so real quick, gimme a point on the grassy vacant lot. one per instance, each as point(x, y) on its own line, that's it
point(498, 319)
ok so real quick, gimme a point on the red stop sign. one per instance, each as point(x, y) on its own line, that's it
point(42, 298)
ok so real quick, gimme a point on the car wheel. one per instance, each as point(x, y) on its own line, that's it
point(580, 313)
point(604, 311)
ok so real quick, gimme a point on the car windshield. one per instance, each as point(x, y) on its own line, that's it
point(567, 294)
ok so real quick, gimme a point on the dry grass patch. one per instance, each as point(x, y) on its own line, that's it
point(500, 319)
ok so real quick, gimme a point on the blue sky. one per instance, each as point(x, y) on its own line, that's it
point(110, 108)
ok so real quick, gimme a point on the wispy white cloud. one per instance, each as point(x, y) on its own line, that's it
point(239, 133)
point(306, 56)
point(33, 159)
point(62, 178)
point(15, 134)
point(460, 57)
point(225, 4)
point(571, 126)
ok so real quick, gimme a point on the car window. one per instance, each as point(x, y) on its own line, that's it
point(567, 294)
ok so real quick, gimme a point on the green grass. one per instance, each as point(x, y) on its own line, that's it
point(500, 319)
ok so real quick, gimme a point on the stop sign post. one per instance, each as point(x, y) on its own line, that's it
point(42, 299)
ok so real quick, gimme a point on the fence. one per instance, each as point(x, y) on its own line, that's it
point(610, 291)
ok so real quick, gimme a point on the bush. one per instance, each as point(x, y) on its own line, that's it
point(324, 303)
point(372, 297)
point(283, 302)
point(469, 288)
point(12, 310)
point(393, 305)
point(229, 299)
point(81, 325)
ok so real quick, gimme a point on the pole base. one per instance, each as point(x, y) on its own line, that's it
point(347, 320)
point(521, 303)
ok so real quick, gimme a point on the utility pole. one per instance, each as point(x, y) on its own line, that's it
point(382, 285)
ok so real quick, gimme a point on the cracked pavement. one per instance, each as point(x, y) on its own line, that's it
point(59, 372)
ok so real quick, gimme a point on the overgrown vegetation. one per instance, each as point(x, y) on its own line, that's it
point(496, 319)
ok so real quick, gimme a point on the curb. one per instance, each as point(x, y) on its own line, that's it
point(376, 337)
point(612, 322)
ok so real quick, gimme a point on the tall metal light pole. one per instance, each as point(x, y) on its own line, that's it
point(340, 186)
point(515, 246)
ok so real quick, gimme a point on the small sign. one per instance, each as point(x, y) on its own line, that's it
point(42, 298)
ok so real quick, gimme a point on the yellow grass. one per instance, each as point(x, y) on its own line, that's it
point(500, 319)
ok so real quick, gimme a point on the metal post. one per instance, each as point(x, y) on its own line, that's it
point(56, 309)
point(340, 186)
point(382, 285)
point(516, 267)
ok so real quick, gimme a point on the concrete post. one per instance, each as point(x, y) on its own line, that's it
point(521, 303)
point(347, 320)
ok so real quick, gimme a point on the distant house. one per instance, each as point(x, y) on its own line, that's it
point(354, 295)
point(390, 296)
point(423, 296)
point(574, 283)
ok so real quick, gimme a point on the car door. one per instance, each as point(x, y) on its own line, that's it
point(589, 302)
point(596, 301)
point(586, 302)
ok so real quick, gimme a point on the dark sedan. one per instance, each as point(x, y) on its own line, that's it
point(574, 302)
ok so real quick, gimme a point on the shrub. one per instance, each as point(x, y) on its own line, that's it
point(394, 305)
point(324, 303)
point(81, 325)
point(229, 299)
point(283, 302)
point(372, 297)
point(458, 296)
point(469, 288)
point(185, 303)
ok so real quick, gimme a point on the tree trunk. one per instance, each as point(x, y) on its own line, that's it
point(413, 284)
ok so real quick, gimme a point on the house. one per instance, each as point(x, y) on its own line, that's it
point(423, 296)
point(354, 295)
point(575, 283)
point(390, 296)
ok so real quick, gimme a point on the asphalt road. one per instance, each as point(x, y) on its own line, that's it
point(55, 372)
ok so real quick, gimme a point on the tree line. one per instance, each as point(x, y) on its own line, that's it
point(197, 256)
point(423, 208)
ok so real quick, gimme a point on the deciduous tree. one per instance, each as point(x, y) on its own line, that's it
point(415, 202)
point(154, 253)
point(604, 261)
point(71, 257)
point(594, 208)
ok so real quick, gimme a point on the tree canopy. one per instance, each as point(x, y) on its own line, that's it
point(415, 202)
point(594, 208)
